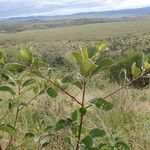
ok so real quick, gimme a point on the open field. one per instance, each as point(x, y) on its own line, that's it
point(84, 32)
point(130, 117)
point(120, 37)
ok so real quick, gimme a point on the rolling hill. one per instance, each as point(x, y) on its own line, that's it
point(114, 13)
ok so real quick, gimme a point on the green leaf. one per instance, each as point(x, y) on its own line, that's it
point(102, 104)
point(2, 56)
point(71, 59)
point(84, 130)
point(135, 70)
point(52, 93)
point(2, 61)
point(28, 82)
point(122, 145)
point(9, 129)
point(102, 47)
point(45, 144)
point(60, 124)
point(38, 62)
point(74, 128)
point(78, 84)
point(82, 111)
point(146, 65)
point(87, 141)
point(97, 133)
point(102, 65)
point(10, 75)
point(26, 54)
point(1, 100)
point(86, 67)
point(15, 67)
point(10, 105)
point(84, 53)
point(78, 57)
point(67, 79)
point(29, 135)
point(92, 51)
point(74, 115)
point(6, 89)
point(29, 144)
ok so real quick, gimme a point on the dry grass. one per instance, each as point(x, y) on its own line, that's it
point(84, 32)
point(129, 117)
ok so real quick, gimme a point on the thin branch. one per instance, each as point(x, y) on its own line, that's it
point(7, 112)
point(16, 118)
point(30, 101)
point(81, 119)
point(0, 147)
point(111, 94)
point(72, 97)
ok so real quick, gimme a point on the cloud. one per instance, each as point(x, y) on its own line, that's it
point(10, 8)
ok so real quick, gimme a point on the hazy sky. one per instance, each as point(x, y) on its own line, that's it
point(19, 8)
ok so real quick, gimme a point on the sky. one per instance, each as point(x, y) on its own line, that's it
point(23, 8)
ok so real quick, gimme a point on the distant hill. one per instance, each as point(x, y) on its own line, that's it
point(115, 13)
point(121, 13)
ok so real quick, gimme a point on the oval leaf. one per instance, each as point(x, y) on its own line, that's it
point(52, 93)
point(87, 141)
point(29, 135)
point(6, 89)
point(60, 124)
point(102, 104)
point(86, 67)
point(146, 65)
point(135, 70)
point(15, 67)
point(9, 129)
point(28, 82)
point(74, 115)
point(45, 144)
point(82, 111)
point(97, 133)
point(26, 54)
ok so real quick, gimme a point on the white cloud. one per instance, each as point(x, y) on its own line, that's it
point(133, 4)
point(57, 7)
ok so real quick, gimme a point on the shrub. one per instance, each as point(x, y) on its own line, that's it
point(32, 75)
point(125, 62)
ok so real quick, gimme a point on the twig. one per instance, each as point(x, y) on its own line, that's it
point(16, 119)
point(30, 101)
point(109, 95)
point(0, 147)
point(72, 97)
point(7, 112)
point(81, 119)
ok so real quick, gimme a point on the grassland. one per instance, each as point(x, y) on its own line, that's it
point(37, 24)
point(121, 37)
point(85, 32)
point(131, 116)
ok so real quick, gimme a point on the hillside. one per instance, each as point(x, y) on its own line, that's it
point(114, 13)
point(19, 26)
